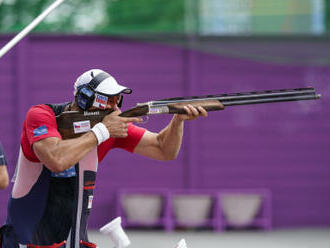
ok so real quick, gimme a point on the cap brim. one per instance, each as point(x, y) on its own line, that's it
point(112, 89)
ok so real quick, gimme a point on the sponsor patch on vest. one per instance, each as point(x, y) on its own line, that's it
point(40, 131)
point(81, 126)
point(90, 201)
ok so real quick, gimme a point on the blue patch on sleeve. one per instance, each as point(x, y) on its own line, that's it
point(40, 131)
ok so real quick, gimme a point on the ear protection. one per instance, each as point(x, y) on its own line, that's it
point(86, 93)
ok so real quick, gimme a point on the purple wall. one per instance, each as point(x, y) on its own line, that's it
point(283, 147)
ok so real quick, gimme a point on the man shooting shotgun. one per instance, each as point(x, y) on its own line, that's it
point(61, 148)
point(53, 192)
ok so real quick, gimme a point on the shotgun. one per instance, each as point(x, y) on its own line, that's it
point(68, 121)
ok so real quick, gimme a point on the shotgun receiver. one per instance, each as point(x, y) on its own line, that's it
point(72, 124)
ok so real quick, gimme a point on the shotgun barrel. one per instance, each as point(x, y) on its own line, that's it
point(253, 97)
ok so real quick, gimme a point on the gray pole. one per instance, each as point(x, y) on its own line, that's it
point(29, 27)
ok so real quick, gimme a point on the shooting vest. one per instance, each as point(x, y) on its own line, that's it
point(55, 211)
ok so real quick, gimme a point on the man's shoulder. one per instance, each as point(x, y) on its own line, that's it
point(53, 109)
point(40, 112)
point(40, 109)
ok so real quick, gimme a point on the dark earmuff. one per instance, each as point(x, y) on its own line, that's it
point(85, 97)
point(86, 93)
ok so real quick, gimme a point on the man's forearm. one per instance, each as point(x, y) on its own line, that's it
point(76, 150)
point(59, 155)
point(170, 138)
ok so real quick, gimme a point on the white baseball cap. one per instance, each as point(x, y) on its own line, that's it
point(109, 85)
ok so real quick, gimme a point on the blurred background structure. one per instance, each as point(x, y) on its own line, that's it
point(200, 17)
point(175, 48)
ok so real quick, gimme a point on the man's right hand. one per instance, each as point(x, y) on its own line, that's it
point(118, 126)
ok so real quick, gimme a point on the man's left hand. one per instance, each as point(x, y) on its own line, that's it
point(192, 113)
